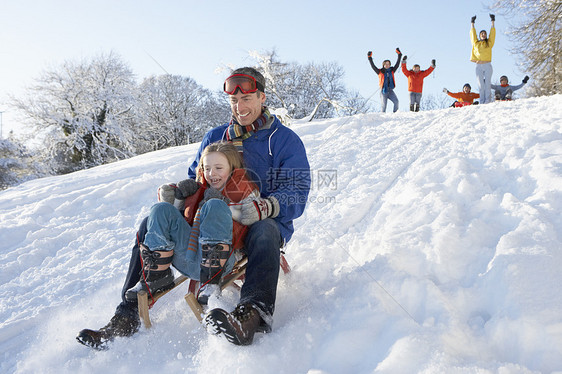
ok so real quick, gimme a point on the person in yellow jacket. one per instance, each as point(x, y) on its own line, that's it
point(482, 56)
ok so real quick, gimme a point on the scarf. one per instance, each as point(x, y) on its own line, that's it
point(388, 84)
point(236, 133)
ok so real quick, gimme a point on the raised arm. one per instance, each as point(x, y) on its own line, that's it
point(492, 35)
point(370, 57)
point(453, 95)
point(404, 67)
point(395, 67)
point(523, 82)
point(473, 37)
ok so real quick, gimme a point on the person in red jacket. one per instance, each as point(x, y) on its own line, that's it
point(415, 82)
point(386, 79)
point(464, 98)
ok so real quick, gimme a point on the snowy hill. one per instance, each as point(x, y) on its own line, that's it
point(432, 243)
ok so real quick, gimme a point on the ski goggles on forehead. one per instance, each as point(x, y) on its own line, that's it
point(246, 83)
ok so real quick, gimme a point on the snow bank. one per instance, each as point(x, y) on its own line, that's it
point(432, 242)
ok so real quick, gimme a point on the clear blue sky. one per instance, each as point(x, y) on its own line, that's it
point(194, 38)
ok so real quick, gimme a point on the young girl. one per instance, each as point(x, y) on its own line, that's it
point(200, 243)
point(482, 56)
point(220, 169)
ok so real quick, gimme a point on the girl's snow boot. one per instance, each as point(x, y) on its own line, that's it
point(213, 263)
point(157, 275)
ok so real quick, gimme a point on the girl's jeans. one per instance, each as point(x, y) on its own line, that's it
point(165, 229)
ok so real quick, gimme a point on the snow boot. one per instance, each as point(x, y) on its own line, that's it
point(206, 291)
point(237, 327)
point(508, 94)
point(157, 275)
point(213, 263)
point(412, 107)
point(416, 107)
point(121, 324)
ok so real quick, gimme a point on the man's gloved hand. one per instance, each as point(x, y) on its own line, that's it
point(404, 58)
point(166, 193)
point(255, 209)
point(186, 188)
point(433, 63)
point(473, 19)
point(445, 90)
point(370, 54)
point(526, 79)
point(492, 17)
point(398, 50)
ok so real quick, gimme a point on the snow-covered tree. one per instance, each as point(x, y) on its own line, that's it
point(313, 90)
point(537, 34)
point(84, 112)
point(16, 164)
point(431, 102)
point(174, 110)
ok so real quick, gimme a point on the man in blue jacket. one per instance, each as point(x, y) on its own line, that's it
point(275, 158)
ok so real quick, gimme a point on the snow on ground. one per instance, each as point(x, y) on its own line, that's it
point(432, 243)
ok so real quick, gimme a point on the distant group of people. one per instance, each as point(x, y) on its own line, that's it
point(481, 55)
point(387, 82)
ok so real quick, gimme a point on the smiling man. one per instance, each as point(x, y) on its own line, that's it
point(275, 158)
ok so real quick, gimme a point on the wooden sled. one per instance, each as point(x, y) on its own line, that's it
point(237, 274)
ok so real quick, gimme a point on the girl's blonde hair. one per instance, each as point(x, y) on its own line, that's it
point(228, 150)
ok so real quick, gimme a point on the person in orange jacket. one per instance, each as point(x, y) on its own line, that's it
point(463, 98)
point(415, 82)
point(386, 80)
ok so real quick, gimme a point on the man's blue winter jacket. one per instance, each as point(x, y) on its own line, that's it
point(275, 159)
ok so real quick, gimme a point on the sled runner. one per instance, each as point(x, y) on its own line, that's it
point(234, 278)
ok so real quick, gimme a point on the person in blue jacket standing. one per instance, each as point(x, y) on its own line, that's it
point(276, 161)
point(386, 79)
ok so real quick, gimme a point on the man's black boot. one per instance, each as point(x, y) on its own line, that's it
point(125, 323)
